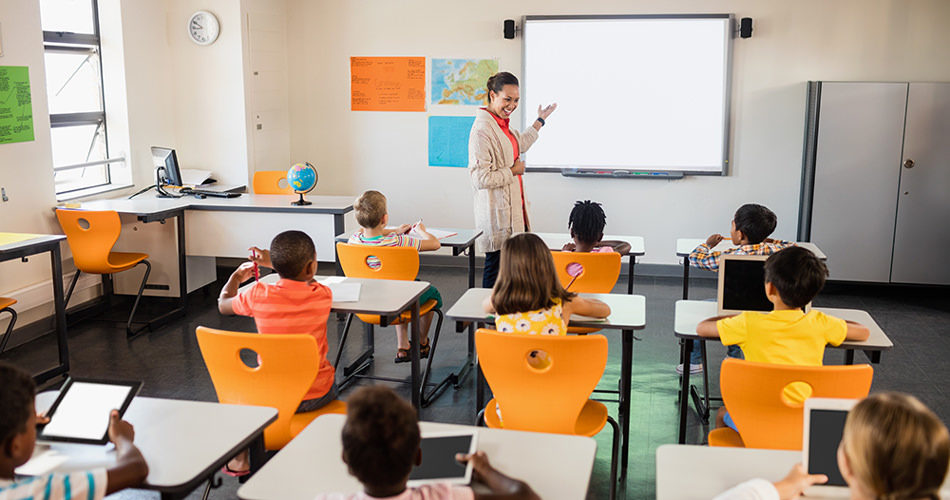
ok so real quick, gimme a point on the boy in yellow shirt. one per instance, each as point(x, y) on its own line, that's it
point(787, 335)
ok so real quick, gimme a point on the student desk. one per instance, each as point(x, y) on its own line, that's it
point(556, 241)
point(627, 313)
point(184, 442)
point(686, 245)
point(554, 465)
point(389, 299)
point(460, 241)
point(21, 246)
point(218, 227)
point(690, 312)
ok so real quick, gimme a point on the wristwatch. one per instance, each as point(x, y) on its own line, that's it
point(541, 120)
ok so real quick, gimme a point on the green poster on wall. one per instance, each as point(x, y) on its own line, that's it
point(16, 106)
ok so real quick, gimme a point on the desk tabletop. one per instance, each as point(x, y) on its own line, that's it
point(686, 245)
point(382, 297)
point(690, 312)
point(461, 239)
point(19, 242)
point(555, 465)
point(626, 311)
point(148, 205)
point(182, 441)
point(556, 241)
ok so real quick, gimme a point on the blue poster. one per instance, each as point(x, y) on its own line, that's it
point(448, 140)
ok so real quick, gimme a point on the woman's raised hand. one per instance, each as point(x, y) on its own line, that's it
point(545, 112)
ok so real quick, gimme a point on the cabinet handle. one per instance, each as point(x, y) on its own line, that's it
point(908, 163)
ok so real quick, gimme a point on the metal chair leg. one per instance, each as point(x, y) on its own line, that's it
point(6, 335)
point(72, 285)
point(346, 330)
point(614, 458)
point(128, 326)
point(702, 346)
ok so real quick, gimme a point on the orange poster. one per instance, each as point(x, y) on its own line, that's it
point(388, 83)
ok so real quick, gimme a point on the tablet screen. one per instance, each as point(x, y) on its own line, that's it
point(744, 286)
point(82, 412)
point(438, 458)
point(825, 430)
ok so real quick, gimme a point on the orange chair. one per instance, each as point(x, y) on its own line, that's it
point(269, 182)
point(395, 263)
point(754, 394)
point(549, 394)
point(598, 274)
point(288, 364)
point(5, 304)
point(91, 236)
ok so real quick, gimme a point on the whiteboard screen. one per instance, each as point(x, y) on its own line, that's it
point(643, 93)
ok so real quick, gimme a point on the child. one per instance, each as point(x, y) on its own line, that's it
point(372, 216)
point(18, 422)
point(528, 297)
point(381, 444)
point(787, 335)
point(892, 447)
point(751, 226)
point(586, 223)
point(295, 304)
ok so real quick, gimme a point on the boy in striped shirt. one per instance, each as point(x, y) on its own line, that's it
point(372, 216)
point(18, 422)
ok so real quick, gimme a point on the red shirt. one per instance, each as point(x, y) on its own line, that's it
point(503, 123)
point(291, 306)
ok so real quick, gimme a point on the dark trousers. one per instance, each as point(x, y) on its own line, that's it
point(492, 259)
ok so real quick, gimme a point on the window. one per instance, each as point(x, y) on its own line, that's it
point(74, 90)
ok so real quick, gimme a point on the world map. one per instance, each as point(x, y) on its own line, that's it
point(461, 81)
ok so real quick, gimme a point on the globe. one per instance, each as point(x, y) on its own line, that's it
point(302, 177)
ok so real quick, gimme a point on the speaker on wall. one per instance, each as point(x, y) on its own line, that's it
point(745, 27)
point(510, 29)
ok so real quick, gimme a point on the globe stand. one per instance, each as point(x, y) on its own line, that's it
point(301, 201)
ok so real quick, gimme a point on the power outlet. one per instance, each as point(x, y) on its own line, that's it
point(3, 194)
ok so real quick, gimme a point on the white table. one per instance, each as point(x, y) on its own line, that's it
point(556, 241)
point(689, 472)
point(627, 313)
point(688, 314)
point(184, 442)
point(684, 246)
point(554, 465)
point(388, 299)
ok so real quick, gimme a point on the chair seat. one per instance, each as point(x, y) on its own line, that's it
point(405, 317)
point(592, 419)
point(301, 420)
point(6, 302)
point(121, 261)
point(725, 437)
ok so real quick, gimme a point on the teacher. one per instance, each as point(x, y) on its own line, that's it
point(495, 165)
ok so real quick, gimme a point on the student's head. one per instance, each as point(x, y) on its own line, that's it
point(503, 94)
point(380, 437)
point(794, 275)
point(587, 222)
point(752, 224)
point(894, 447)
point(370, 209)
point(293, 255)
point(17, 416)
point(527, 280)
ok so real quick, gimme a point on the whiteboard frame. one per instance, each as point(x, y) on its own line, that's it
point(727, 88)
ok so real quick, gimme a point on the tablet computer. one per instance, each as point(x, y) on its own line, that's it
point(741, 285)
point(81, 412)
point(438, 458)
point(821, 435)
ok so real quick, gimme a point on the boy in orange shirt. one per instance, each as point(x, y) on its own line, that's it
point(295, 304)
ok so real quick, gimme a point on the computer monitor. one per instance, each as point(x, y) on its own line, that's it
point(167, 160)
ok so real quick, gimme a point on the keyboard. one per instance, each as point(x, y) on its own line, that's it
point(201, 193)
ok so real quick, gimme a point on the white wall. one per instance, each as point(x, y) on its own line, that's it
point(793, 42)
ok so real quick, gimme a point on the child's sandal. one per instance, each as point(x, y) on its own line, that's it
point(424, 350)
point(402, 356)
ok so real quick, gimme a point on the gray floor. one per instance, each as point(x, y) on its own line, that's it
point(916, 319)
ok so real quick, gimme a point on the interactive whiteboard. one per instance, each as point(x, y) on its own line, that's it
point(636, 93)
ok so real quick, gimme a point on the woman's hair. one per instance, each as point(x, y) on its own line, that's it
point(498, 81)
point(896, 447)
point(587, 221)
point(527, 280)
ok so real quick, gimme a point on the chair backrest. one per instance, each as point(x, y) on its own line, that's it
point(598, 272)
point(269, 182)
point(91, 236)
point(754, 393)
point(537, 395)
point(395, 263)
point(288, 365)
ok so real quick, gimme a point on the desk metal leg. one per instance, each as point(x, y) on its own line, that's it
point(685, 278)
point(56, 266)
point(182, 263)
point(630, 266)
point(684, 388)
point(338, 228)
point(416, 390)
point(626, 373)
point(471, 266)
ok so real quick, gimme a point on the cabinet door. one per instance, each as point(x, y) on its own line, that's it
point(857, 167)
point(922, 236)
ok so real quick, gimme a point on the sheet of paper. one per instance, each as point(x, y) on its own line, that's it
point(388, 83)
point(448, 140)
point(438, 233)
point(16, 105)
point(194, 177)
point(587, 319)
point(329, 280)
point(345, 291)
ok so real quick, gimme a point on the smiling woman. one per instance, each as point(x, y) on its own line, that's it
point(495, 165)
